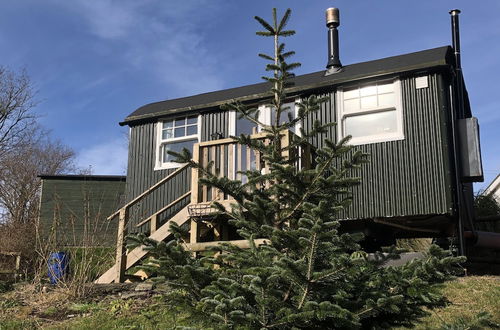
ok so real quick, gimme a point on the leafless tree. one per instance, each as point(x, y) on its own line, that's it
point(16, 104)
point(19, 171)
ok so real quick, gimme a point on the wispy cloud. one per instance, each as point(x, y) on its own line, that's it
point(162, 39)
point(109, 157)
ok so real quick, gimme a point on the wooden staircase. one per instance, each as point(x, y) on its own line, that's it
point(126, 259)
point(116, 273)
point(228, 159)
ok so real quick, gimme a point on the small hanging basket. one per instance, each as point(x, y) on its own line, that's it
point(200, 211)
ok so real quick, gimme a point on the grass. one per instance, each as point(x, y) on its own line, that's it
point(468, 297)
point(24, 309)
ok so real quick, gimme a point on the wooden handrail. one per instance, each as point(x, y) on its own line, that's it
point(163, 209)
point(230, 140)
point(242, 244)
point(148, 191)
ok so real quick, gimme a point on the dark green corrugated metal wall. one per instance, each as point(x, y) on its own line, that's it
point(404, 178)
point(77, 210)
point(141, 176)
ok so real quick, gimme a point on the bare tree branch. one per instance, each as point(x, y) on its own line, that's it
point(16, 104)
point(19, 171)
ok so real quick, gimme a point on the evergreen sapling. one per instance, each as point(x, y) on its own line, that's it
point(308, 275)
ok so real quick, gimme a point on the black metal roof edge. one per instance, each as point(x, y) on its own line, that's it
point(443, 61)
point(83, 177)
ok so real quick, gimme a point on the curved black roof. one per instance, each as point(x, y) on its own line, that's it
point(436, 57)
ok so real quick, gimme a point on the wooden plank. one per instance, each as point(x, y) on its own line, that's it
point(193, 232)
point(194, 175)
point(163, 209)
point(204, 188)
point(216, 142)
point(213, 149)
point(154, 223)
point(249, 158)
point(138, 253)
point(121, 257)
point(238, 161)
point(258, 165)
point(285, 142)
point(243, 244)
point(149, 190)
point(222, 169)
point(230, 160)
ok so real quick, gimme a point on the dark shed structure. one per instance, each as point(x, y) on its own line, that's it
point(410, 176)
point(410, 113)
point(74, 208)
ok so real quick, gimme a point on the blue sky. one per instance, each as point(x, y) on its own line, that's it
point(95, 61)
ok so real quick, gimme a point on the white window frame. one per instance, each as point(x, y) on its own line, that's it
point(264, 117)
point(398, 107)
point(160, 142)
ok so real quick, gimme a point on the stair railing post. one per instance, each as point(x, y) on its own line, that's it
point(121, 251)
point(195, 175)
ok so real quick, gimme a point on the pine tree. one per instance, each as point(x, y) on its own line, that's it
point(308, 275)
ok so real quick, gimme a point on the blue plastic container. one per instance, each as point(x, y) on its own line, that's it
point(58, 264)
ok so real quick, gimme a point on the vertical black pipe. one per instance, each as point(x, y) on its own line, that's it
point(333, 48)
point(458, 113)
point(332, 22)
point(455, 34)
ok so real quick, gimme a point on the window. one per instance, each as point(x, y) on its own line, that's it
point(371, 113)
point(266, 116)
point(175, 135)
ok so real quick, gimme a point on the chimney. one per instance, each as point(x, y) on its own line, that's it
point(455, 33)
point(332, 22)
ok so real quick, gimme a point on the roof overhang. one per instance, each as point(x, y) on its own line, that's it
point(433, 59)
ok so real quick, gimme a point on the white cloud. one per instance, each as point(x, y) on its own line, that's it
point(162, 39)
point(109, 157)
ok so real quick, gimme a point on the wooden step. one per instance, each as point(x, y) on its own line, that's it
point(138, 253)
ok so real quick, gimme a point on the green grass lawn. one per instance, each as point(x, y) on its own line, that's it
point(468, 297)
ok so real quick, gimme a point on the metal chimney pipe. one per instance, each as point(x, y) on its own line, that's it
point(457, 101)
point(332, 22)
point(455, 31)
point(455, 34)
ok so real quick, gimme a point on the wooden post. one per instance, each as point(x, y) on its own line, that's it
point(213, 171)
point(121, 251)
point(193, 233)
point(285, 142)
point(238, 161)
point(154, 223)
point(222, 168)
point(194, 175)
point(204, 189)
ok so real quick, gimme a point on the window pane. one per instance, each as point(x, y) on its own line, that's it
point(191, 130)
point(244, 126)
point(177, 147)
point(351, 105)
point(192, 120)
point(369, 102)
point(386, 88)
point(285, 110)
point(181, 131)
point(371, 124)
point(351, 93)
point(180, 121)
point(368, 90)
point(168, 123)
point(166, 133)
point(386, 100)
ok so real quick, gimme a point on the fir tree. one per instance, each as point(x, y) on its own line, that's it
point(308, 275)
